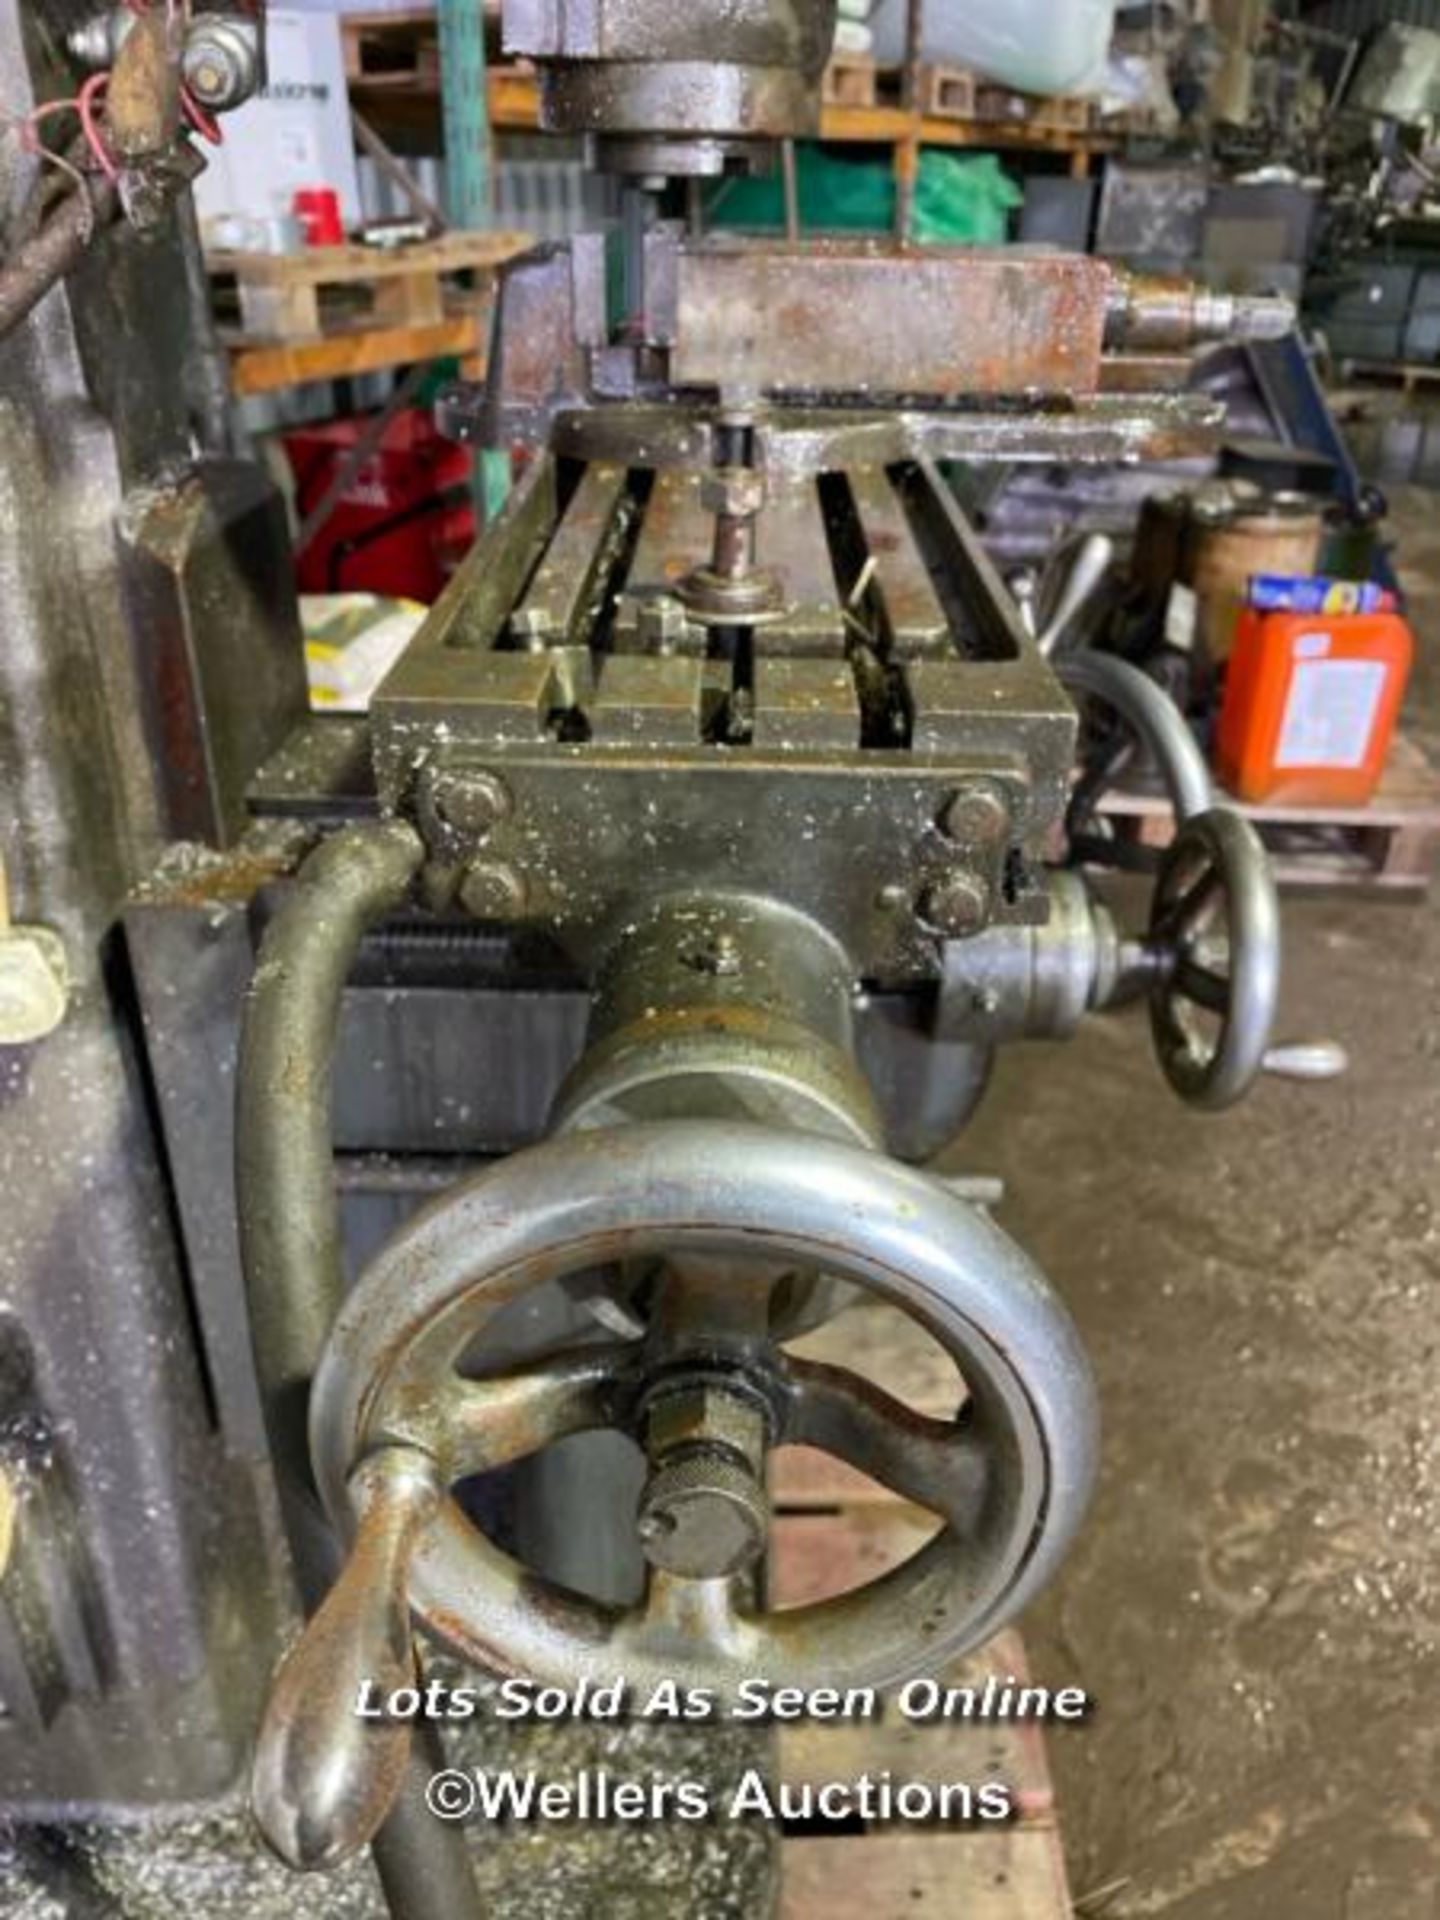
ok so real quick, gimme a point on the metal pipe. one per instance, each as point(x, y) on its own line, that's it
point(1155, 718)
point(395, 171)
point(290, 1246)
point(36, 266)
point(1088, 570)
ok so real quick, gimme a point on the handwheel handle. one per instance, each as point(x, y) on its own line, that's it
point(1215, 868)
point(324, 1777)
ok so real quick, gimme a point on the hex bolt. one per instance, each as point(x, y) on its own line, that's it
point(468, 800)
point(956, 905)
point(976, 814)
point(492, 890)
point(703, 1514)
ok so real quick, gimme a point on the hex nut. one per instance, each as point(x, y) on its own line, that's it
point(704, 1412)
point(956, 905)
point(492, 890)
point(736, 491)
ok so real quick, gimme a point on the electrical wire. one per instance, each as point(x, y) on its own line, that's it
point(205, 124)
point(27, 131)
point(85, 102)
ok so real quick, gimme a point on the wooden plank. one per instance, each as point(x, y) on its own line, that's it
point(814, 1556)
point(1011, 1751)
point(409, 300)
point(1408, 374)
point(1010, 1874)
point(1388, 845)
point(805, 1480)
point(339, 266)
point(339, 355)
point(849, 80)
point(887, 1346)
point(1408, 795)
point(947, 93)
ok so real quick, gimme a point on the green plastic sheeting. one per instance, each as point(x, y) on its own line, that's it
point(960, 199)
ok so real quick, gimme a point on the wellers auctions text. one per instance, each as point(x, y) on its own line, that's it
point(596, 1795)
point(996, 1698)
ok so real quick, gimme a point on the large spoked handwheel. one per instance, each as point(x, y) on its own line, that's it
point(1215, 934)
point(396, 1424)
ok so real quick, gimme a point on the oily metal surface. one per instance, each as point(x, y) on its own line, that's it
point(648, 783)
point(673, 89)
point(1104, 429)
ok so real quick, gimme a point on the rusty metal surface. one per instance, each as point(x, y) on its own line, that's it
point(142, 99)
point(865, 318)
point(980, 356)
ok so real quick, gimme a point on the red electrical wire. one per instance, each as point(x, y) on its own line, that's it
point(205, 124)
point(30, 125)
point(85, 105)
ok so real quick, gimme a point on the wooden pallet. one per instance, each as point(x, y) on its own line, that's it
point(947, 93)
point(1408, 375)
point(1387, 846)
point(400, 49)
point(1055, 113)
point(295, 296)
point(1131, 120)
point(833, 1529)
point(850, 81)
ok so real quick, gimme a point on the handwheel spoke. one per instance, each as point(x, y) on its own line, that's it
point(1188, 905)
point(678, 1615)
point(933, 1463)
point(485, 1424)
point(1202, 984)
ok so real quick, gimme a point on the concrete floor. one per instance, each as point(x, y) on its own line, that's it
point(1255, 1602)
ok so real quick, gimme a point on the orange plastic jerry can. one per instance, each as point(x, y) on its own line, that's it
point(1310, 705)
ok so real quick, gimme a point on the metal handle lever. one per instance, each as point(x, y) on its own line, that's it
point(1087, 572)
point(324, 1777)
point(1307, 1060)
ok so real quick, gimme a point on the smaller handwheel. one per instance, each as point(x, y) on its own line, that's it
point(1215, 942)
